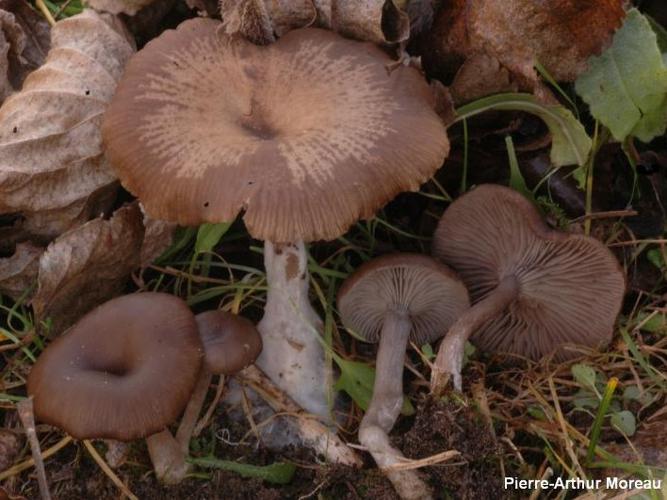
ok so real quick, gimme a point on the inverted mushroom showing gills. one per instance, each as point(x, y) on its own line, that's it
point(124, 371)
point(304, 137)
point(393, 299)
point(534, 289)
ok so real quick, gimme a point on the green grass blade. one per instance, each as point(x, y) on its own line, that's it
point(276, 473)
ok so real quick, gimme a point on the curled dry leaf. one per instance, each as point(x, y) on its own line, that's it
point(52, 170)
point(129, 7)
point(86, 266)
point(561, 35)
point(261, 21)
point(19, 272)
point(24, 42)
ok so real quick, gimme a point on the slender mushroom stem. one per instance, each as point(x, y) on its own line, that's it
point(191, 414)
point(203, 422)
point(293, 353)
point(167, 457)
point(449, 360)
point(27, 417)
point(386, 404)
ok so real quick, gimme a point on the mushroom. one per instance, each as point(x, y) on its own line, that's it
point(392, 299)
point(124, 371)
point(304, 136)
point(231, 343)
point(534, 289)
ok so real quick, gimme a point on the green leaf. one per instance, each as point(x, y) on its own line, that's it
point(276, 473)
point(537, 413)
point(657, 323)
point(427, 351)
point(517, 182)
point(625, 422)
point(660, 33)
point(584, 399)
point(570, 145)
point(626, 86)
point(632, 393)
point(584, 375)
point(655, 257)
point(209, 235)
point(357, 379)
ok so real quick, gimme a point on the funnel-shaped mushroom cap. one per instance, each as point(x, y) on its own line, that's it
point(230, 342)
point(307, 135)
point(124, 371)
point(570, 286)
point(429, 292)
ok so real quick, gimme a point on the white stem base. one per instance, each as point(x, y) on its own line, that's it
point(167, 457)
point(407, 483)
point(292, 354)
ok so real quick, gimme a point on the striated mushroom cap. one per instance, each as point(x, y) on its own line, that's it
point(124, 371)
point(230, 342)
point(431, 293)
point(306, 135)
point(570, 286)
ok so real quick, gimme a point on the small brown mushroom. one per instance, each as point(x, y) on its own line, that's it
point(392, 299)
point(124, 371)
point(231, 343)
point(534, 289)
point(304, 137)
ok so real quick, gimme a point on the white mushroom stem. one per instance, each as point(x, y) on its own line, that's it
point(167, 457)
point(293, 353)
point(385, 406)
point(314, 434)
point(191, 414)
point(449, 361)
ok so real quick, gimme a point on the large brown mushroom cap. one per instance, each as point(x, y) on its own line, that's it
point(124, 371)
point(429, 292)
point(570, 286)
point(306, 135)
point(231, 342)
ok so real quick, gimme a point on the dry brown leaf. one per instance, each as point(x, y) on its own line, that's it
point(18, 273)
point(129, 7)
point(261, 21)
point(561, 35)
point(87, 266)
point(479, 76)
point(24, 42)
point(52, 170)
point(158, 236)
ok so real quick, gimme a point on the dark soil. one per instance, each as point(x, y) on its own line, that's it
point(448, 425)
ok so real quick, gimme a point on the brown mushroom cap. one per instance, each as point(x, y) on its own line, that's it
point(306, 135)
point(124, 371)
point(570, 286)
point(230, 342)
point(431, 293)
